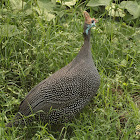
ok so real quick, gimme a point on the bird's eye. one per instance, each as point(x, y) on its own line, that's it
point(92, 21)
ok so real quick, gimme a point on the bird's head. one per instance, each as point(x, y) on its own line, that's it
point(89, 22)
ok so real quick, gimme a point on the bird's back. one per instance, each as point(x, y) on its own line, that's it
point(67, 91)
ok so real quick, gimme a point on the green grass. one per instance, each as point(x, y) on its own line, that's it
point(42, 47)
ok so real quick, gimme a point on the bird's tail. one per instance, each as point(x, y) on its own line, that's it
point(18, 120)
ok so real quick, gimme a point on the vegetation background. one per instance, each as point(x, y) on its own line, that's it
point(38, 37)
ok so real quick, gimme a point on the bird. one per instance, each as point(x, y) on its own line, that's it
point(58, 98)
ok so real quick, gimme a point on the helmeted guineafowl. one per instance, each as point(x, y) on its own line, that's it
point(62, 95)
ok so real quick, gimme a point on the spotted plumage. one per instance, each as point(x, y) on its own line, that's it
point(61, 96)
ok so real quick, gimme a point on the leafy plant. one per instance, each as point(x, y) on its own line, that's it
point(115, 9)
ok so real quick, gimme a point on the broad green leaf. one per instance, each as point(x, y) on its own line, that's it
point(44, 7)
point(69, 3)
point(132, 7)
point(114, 11)
point(17, 4)
point(8, 30)
point(94, 3)
point(123, 63)
point(45, 13)
point(28, 12)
